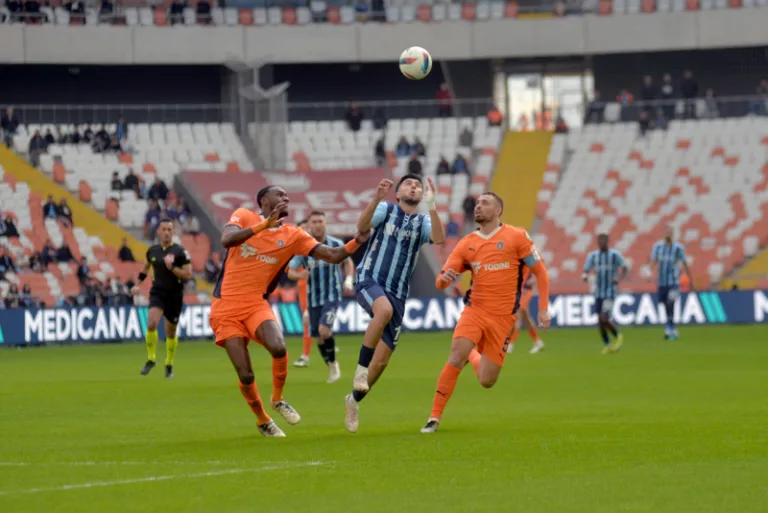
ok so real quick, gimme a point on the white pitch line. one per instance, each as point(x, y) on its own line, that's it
point(112, 463)
point(151, 479)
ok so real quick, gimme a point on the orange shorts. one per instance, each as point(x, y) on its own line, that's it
point(232, 319)
point(525, 299)
point(490, 333)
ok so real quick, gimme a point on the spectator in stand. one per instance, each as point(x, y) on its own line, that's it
point(466, 137)
point(10, 125)
point(468, 206)
point(76, 10)
point(625, 99)
point(379, 119)
point(49, 138)
point(64, 254)
point(61, 138)
point(101, 141)
point(65, 214)
point(32, 9)
point(116, 184)
point(414, 165)
point(176, 12)
point(759, 106)
point(495, 118)
point(644, 123)
point(362, 10)
point(16, 8)
point(354, 117)
point(88, 135)
point(151, 220)
point(444, 101)
point(37, 146)
point(75, 137)
point(184, 211)
point(379, 152)
point(25, 297)
point(7, 264)
point(203, 11)
point(419, 148)
point(121, 129)
point(191, 225)
point(107, 11)
point(460, 165)
point(403, 148)
point(689, 89)
point(8, 227)
point(12, 298)
point(125, 254)
point(561, 127)
point(711, 100)
point(595, 109)
point(443, 167)
point(212, 268)
point(50, 209)
point(131, 181)
point(648, 93)
point(84, 272)
point(36, 263)
point(48, 255)
point(158, 191)
point(667, 96)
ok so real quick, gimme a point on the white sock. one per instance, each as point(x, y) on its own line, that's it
point(361, 370)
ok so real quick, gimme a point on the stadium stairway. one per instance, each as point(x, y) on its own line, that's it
point(752, 275)
point(86, 218)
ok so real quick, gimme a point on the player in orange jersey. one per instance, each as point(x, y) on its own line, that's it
point(301, 286)
point(495, 254)
point(524, 316)
point(258, 250)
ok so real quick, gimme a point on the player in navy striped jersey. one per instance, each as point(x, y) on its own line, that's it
point(668, 255)
point(324, 284)
point(384, 274)
point(609, 268)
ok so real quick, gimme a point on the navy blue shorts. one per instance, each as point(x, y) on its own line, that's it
point(322, 316)
point(603, 305)
point(369, 291)
point(665, 294)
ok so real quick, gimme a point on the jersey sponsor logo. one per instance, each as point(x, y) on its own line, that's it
point(247, 251)
point(234, 219)
point(390, 230)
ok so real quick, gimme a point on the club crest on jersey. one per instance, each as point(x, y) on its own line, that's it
point(280, 244)
point(499, 245)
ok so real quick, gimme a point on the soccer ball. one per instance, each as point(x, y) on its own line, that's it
point(415, 63)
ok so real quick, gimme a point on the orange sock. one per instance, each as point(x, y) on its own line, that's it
point(533, 333)
point(474, 360)
point(252, 397)
point(446, 384)
point(307, 343)
point(279, 373)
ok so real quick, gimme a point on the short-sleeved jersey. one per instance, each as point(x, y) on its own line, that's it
point(393, 249)
point(606, 265)
point(496, 262)
point(251, 270)
point(163, 280)
point(669, 257)
point(324, 282)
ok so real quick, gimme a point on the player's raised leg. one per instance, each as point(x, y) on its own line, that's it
point(171, 343)
point(237, 350)
point(271, 337)
point(153, 321)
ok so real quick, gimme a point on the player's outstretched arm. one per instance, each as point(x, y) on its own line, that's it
point(337, 255)
point(235, 234)
point(437, 235)
point(142, 276)
point(365, 223)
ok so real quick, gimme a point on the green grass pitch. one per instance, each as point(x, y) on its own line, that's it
point(661, 427)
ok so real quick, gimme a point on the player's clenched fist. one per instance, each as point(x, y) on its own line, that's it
point(383, 188)
point(362, 238)
point(448, 276)
point(544, 320)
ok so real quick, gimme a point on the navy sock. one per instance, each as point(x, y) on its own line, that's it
point(612, 329)
point(366, 355)
point(604, 334)
point(330, 349)
point(670, 315)
point(359, 396)
point(323, 353)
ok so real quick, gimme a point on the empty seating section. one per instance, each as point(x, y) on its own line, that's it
point(396, 11)
point(707, 179)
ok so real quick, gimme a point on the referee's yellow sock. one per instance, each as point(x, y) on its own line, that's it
point(170, 349)
point(151, 345)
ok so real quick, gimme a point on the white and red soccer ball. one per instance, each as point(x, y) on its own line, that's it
point(415, 63)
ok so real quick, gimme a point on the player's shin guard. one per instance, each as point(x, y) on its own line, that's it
point(670, 308)
point(329, 345)
point(446, 384)
point(252, 397)
point(323, 352)
point(474, 361)
point(366, 355)
point(151, 340)
point(170, 349)
point(279, 374)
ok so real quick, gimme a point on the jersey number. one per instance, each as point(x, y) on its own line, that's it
point(330, 316)
point(397, 334)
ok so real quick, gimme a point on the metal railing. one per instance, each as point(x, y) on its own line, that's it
point(397, 109)
point(149, 113)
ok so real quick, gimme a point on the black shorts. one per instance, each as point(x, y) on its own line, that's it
point(170, 304)
point(322, 316)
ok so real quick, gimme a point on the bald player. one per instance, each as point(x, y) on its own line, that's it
point(495, 254)
point(259, 248)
